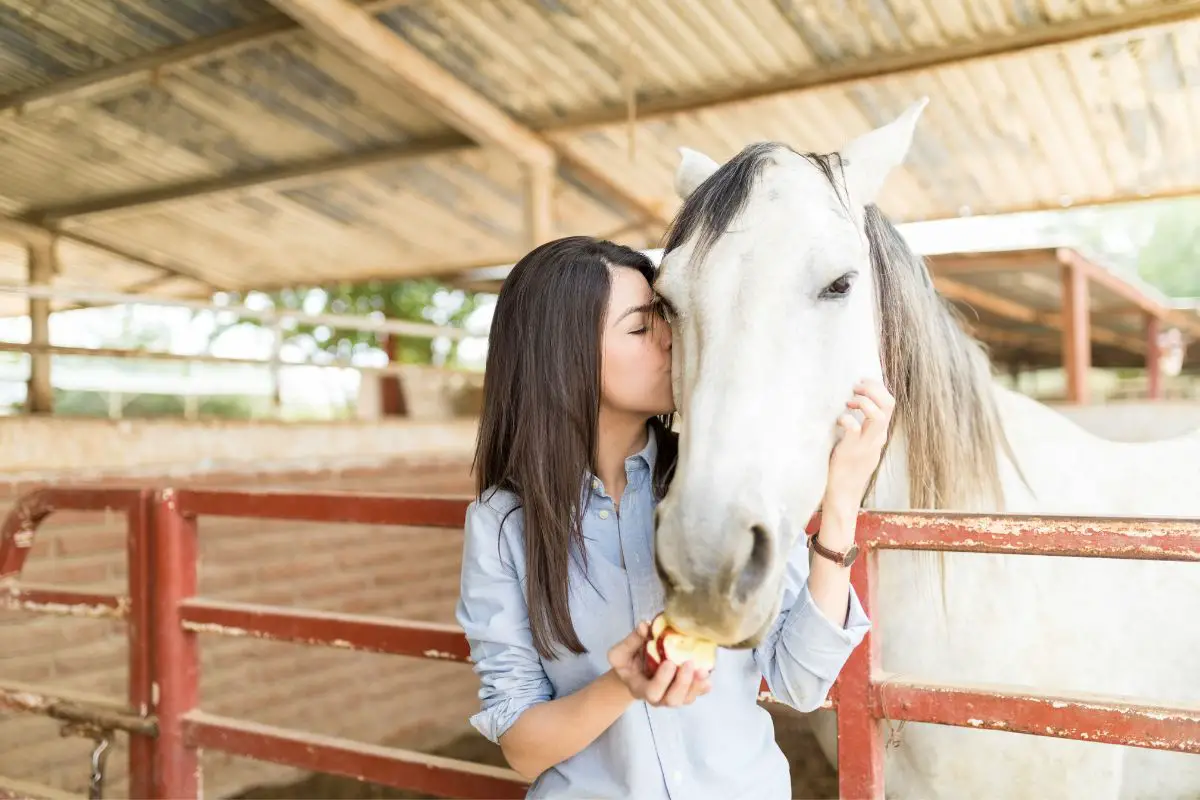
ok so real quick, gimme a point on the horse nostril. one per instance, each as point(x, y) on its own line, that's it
point(754, 571)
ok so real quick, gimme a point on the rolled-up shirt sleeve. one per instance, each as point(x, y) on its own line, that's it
point(804, 651)
point(492, 612)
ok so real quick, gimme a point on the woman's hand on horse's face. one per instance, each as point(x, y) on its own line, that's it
point(671, 685)
point(857, 455)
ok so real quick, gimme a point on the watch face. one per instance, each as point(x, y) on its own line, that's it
point(851, 554)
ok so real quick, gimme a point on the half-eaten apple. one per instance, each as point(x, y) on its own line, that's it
point(667, 644)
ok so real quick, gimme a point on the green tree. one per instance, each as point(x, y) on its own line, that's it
point(418, 300)
point(1171, 258)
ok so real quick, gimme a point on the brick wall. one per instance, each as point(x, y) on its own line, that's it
point(397, 572)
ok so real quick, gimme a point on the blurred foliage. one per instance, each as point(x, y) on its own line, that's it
point(1158, 242)
point(419, 300)
point(71, 403)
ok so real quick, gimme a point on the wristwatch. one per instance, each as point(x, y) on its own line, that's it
point(841, 559)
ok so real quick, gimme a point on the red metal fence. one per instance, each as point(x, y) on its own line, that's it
point(167, 726)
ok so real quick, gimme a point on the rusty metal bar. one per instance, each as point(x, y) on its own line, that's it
point(30, 510)
point(139, 630)
point(176, 654)
point(405, 769)
point(859, 745)
point(1089, 718)
point(69, 706)
point(363, 509)
point(326, 629)
point(62, 602)
point(1018, 534)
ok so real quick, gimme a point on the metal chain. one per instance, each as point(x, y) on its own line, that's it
point(103, 737)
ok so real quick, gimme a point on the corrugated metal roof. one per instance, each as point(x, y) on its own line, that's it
point(1084, 120)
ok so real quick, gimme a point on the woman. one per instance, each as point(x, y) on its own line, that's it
point(574, 452)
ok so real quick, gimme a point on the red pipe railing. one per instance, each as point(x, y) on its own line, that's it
point(166, 736)
point(16, 539)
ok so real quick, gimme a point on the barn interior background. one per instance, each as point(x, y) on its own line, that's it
point(251, 242)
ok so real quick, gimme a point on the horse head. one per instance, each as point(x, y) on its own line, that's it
point(768, 278)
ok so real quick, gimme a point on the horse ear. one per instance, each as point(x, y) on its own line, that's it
point(694, 169)
point(870, 158)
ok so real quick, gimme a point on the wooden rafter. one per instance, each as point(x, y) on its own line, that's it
point(122, 75)
point(30, 235)
point(118, 77)
point(856, 71)
point(274, 178)
point(355, 33)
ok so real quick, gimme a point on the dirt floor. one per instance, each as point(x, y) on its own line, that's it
point(812, 776)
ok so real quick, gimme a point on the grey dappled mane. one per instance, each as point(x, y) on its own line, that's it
point(712, 207)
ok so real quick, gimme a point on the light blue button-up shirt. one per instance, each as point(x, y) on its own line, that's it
point(722, 745)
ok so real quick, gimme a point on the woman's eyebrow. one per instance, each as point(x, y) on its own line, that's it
point(643, 308)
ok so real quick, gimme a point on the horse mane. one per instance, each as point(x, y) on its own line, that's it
point(940, 376)
point(941, 379)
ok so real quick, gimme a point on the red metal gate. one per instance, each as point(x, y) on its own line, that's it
point(165, 617)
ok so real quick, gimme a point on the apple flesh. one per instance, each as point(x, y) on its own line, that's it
point(667, 644)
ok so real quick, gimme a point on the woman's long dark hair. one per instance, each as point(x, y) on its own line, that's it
point(541, 407)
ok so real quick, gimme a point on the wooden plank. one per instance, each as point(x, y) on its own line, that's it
point(42, 267)
point(1154, 371)
point(539, 206)
point(1077, 347)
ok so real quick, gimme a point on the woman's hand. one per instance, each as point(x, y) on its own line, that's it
point(857, 455)
point(671, 686)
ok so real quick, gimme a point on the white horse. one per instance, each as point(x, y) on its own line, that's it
point(786, 285)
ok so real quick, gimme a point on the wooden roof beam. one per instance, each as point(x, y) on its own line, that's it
point(858, 71)
point(1156, 307)
point(355, 33)
point(273, 178)
point(28, 234)
point(118, 77)
point(1003, 307)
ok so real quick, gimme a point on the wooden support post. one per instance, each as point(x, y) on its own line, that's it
point(539, 205)
point(1154, 376)
point(1077, 340)
point(39, 398)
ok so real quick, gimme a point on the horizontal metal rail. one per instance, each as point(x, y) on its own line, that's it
point(68, 706)
point(1147, 538)
point(444, 777)
point(326, 629)
point(361, 509)
point(1092, 718)
point(41, 599)
point(866, 694)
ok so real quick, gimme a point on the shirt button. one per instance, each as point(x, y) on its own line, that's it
point(603, 515)
point(595, 483)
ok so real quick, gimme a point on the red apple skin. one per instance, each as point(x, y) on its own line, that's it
point(652, 659)
point(655, 650)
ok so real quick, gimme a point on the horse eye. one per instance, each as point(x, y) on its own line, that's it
point(839, 288)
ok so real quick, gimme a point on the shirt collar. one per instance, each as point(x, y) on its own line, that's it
point(642, 459)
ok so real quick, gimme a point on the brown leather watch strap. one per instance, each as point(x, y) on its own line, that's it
point(841, 559)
